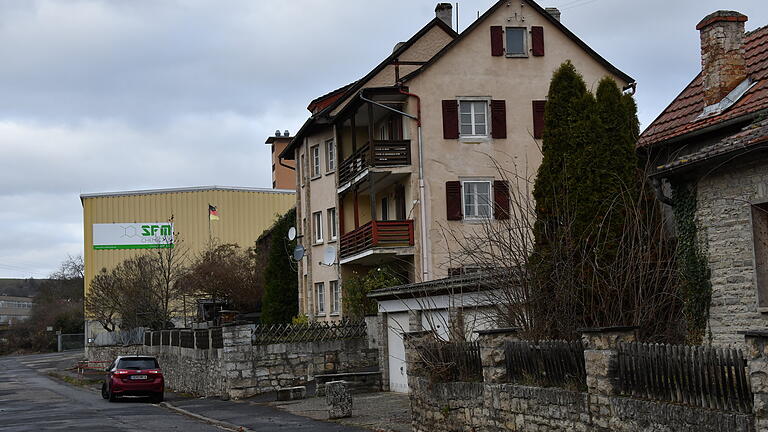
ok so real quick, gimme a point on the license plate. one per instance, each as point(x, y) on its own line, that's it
point(138, 377)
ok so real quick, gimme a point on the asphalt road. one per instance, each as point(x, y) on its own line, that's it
point(31, 401)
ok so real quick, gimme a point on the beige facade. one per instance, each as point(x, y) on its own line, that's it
point(377, 185)
point(244, 214)
point(14, 309)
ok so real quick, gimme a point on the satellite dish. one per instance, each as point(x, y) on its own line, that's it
point(292, 233)
point(298, 252)
point(329, 256)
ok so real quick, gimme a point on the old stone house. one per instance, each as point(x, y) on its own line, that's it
point(711, 141)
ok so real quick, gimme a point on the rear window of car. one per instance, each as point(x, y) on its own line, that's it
point(137, 363)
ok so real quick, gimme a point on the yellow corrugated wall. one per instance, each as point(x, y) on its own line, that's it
point(244, 215)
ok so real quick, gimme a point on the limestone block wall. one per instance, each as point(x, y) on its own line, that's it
point(495, 407)
point(724, 219)
point(241, 369)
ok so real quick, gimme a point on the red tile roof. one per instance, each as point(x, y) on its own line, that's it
point(680, 117)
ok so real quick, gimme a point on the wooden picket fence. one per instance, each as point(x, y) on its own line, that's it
point(555, 363)
point(312, 332)
point(452, 361)
point(707, 377)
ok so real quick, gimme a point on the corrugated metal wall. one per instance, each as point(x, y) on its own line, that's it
point(244, 215)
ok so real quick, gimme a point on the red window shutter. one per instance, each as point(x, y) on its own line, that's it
point(497, 41)
point(501, 199)
point(450, 119)
point(453, 200)
point(538, 118)
point(537, 41)
point(498, 119)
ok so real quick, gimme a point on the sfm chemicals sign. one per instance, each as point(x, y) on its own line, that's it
point(150, 235)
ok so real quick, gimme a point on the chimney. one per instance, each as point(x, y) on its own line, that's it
point(555, 12)
point(723, 65)
point(444, 11)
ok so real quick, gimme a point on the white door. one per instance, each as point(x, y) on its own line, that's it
point(397, 323)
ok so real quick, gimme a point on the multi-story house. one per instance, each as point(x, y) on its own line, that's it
point(388, 163)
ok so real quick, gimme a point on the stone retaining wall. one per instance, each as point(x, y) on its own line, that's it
point(241, 369)
point(492, 406)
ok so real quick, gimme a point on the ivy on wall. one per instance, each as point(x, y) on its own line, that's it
point(692, 262)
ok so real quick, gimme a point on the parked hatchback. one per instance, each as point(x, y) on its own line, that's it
point(133, 376)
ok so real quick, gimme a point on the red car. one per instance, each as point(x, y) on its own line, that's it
point(133, 376)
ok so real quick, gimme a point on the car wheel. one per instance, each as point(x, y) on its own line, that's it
point(158, 397)
point(104, 393)
point(112, 396)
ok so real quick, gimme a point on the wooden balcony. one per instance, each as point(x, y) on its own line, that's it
point(377, 234)
point(385, 154)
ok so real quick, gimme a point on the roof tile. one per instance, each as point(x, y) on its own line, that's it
point(681, 116)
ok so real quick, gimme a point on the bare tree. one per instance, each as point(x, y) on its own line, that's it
point(599, 280)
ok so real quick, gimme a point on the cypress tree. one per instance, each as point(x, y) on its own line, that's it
point(281, 296)
point(589, 164)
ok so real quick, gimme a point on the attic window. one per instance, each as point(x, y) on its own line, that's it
point(516, 41)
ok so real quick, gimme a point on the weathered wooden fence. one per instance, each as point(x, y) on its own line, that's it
point(312, 332)
point(452, 361)
point(694, 375)
point(547, 363)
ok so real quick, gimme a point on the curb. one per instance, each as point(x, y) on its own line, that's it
point(220, 423)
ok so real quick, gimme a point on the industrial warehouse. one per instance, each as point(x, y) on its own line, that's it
point(121, 225)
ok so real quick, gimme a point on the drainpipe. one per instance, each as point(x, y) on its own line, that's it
point(280, 161)
point(425, 273)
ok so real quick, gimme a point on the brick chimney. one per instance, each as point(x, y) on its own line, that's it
point(723, 65)
point(444, 11)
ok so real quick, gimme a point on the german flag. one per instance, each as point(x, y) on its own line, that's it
point(213, 214)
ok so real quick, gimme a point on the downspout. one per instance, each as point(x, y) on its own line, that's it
point(659, 190)
point(425, 273)
point(280, 161)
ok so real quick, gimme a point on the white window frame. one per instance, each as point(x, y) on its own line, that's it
point(330, 156)
point(314, 158)
point(332, 222)
point(317, 227)
point(464, 190)
point(473, 101)
point(319, 299)
point(525, 42)
point(335, 297)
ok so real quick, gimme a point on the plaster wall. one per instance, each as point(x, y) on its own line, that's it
point(469, 70)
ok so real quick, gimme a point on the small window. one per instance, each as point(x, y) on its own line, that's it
point(516, 42)
point(760, 245)
point(332, 223)
point(314, 153)
point(385, 209)
point(335, 297)
point(477, 199)
point(317, 226)
point(473, 118)
point(320, 298)
point(330, 156)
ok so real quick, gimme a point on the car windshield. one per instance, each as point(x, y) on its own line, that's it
point(137, 363)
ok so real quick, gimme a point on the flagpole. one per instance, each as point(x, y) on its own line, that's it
point(209, 226)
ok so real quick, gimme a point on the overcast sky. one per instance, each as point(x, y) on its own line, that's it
point(100, 95)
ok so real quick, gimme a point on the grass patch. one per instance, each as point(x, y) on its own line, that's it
point(80, 382)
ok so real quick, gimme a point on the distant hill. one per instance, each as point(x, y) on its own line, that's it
point(20, 287)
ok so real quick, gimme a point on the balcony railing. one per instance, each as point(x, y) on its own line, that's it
point(377, 234)
point(384, 154)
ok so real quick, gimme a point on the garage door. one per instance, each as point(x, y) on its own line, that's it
point(398, 377)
